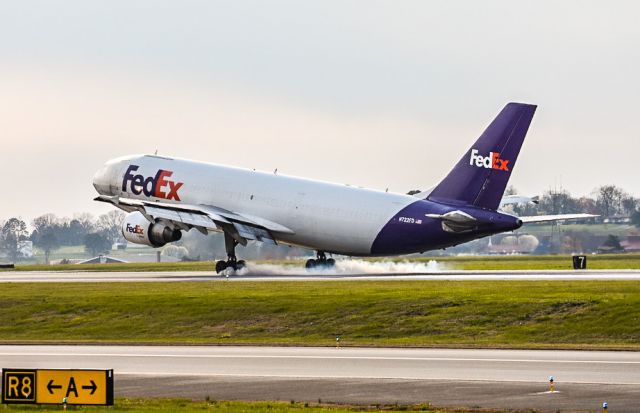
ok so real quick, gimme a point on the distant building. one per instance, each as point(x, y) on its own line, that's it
point(631, 244)
point(617, 219)
point(102, 259)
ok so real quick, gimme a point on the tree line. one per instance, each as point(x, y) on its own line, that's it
point(608, 201)
point(50, 232)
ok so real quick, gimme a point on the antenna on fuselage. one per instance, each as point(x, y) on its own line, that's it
point(275, 171)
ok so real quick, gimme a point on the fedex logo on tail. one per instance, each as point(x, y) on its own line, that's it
point(159, 185)
point(493, 161)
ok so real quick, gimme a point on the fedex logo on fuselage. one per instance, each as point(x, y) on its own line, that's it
point(158, 185)
point(135, 230)
point(493, 161)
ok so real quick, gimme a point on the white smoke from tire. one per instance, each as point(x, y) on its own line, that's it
point(347, 267)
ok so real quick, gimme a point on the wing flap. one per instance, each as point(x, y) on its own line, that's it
point(254, 233)
point(189, 218)
point(203, 217)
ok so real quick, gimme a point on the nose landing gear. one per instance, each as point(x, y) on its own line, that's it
point(321, 261)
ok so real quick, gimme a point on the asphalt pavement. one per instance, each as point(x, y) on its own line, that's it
point(444, 377)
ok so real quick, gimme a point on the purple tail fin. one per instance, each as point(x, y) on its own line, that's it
point(480, 177)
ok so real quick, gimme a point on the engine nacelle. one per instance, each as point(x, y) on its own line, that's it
point(137, 229)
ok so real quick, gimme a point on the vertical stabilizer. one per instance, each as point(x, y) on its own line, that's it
point(481, 176)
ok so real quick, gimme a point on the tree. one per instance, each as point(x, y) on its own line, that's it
point(76, 230)
point(96, 244)
point(45, 223)
point(613, 242)
point(48, 242)
point(511, 190)
point(635, 219)
point(587, 205)
point(13, 231)
point(609, 199)
point(555, 202)
point(629, 204)
point(110, 225)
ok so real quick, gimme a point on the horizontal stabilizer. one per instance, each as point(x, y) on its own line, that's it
point(549, 218)
point(519, 200)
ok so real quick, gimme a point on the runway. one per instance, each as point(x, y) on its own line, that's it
point(445, 377)
point(270, 274)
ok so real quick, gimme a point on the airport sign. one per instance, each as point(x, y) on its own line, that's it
point(57, 386)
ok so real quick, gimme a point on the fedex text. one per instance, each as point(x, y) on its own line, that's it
point(158, 186)
point(493, 161)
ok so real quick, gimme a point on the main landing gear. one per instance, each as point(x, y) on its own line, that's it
point(321, 261)
point(232, 261)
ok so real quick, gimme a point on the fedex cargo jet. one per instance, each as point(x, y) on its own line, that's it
point(165, 196)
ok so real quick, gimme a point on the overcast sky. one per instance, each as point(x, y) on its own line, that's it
point(371, 93)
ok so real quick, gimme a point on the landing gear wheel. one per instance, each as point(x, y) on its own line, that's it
point(321, 261)
point(232, 262)
point(221, 266)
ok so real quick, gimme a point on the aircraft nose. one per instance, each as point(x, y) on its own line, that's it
point(102, 180)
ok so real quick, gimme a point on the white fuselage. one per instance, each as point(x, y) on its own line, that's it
point(323, 216)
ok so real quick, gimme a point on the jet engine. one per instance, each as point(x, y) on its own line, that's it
point(137, 229)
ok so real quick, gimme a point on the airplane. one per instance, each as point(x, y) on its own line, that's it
point(165, 196)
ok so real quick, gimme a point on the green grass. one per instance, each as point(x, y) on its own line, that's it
point(514, 262)
point(212, 406)
point(518, 314)
point(538, 262)
point(141, 266)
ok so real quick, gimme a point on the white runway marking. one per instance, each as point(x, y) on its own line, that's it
point(186, 276)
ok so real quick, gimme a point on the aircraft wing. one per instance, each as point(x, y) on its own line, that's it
point(205, 218)
point(547, 218)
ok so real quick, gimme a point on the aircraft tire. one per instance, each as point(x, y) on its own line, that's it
point(330, 263)
point(310, 264)
point(221, 266)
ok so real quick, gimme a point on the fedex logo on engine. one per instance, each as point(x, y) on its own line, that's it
point(159, 185)
point(135, 230)
point(492, 161)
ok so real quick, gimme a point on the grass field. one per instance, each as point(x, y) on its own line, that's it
point(212, 406)
point(538, 262)
point(514, 262)
point(519, 314)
